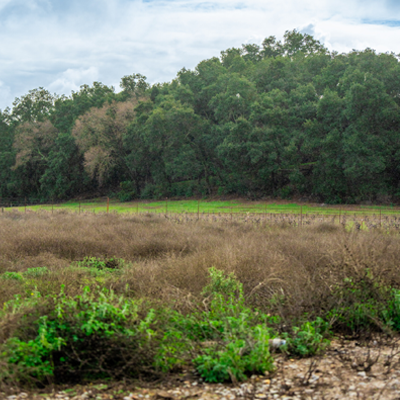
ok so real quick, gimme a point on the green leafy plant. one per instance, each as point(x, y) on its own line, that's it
point(16, 276)
point(98, 334)
point(364, 304)
point(107, 264)
point(390, 315)
point(236, 358)
point(89, 335)
point(223, 284)
point(228, 341)
point(308, 339)
point(36, 272)
point(242, 342)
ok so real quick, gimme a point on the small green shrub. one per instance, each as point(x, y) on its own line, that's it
point(31, 361)
point(237, 358)
point(16, 276)
point(392, 314)
point(223, 284)
point(175, 349)
point(97, 263)
point(364, 304)
point(308, 339)
point(20, 304)
point(92, 335)
point(241, 335)
point(228, 341)
point(36, 272)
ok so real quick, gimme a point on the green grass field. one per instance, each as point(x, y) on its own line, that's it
point(211, 207)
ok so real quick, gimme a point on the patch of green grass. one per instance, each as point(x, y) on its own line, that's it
point(214, 207)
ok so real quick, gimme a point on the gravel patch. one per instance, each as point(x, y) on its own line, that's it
point(348, 370)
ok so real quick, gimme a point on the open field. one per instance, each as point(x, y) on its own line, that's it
point(122, 296)
point(359, 217)
point(202, 207)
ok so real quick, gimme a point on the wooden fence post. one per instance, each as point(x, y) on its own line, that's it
point(198, 209)
point(301, 215)
point(108, 204)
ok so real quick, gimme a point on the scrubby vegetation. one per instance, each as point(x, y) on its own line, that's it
point(284, 118)
point(122, 297)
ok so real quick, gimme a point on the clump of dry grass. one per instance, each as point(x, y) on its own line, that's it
point(169, 259)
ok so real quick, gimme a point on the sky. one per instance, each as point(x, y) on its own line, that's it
point(62, 44)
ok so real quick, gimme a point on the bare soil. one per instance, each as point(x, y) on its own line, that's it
point(348, 370)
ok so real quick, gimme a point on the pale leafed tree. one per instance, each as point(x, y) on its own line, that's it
point(99, 135)
point(33, 142)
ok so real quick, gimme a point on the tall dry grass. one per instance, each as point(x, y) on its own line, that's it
point(168, 259)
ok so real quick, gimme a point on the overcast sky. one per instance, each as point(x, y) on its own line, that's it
point(62, 44)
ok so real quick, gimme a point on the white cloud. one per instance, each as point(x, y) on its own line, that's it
point(62, 44)
point(5, 93)
point(72, 79)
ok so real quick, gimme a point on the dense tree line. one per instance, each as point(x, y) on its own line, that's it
point(282, 119)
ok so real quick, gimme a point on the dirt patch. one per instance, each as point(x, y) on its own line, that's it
point(347, 370)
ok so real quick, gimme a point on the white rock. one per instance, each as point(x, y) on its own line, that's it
point(378, 385)
point(276, 343)
point(395, 383)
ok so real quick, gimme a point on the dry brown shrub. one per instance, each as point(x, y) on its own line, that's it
point(169, 258)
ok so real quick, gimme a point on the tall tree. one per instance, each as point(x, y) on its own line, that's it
point(99, 135)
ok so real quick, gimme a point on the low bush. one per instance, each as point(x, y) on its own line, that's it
point(16, 276)
point(365, 304)
point(231, 340)
point(89, 336)
point(309, 339)
point(99, 334)
point(98, 263)
point(36, 272)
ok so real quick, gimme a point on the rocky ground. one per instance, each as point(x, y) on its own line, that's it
point(348, 370)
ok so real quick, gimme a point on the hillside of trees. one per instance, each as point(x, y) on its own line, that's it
point(286, 118)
